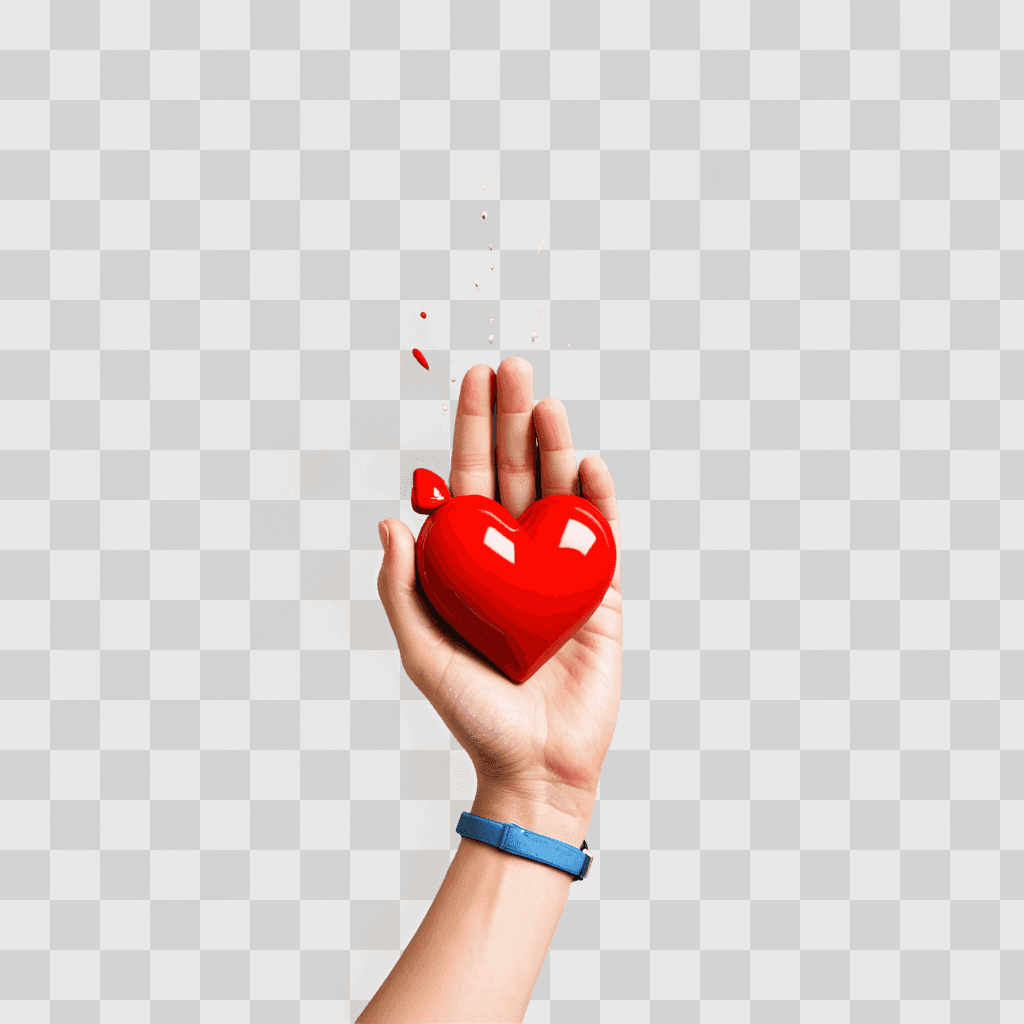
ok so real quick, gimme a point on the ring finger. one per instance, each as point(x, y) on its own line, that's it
point(558, 472)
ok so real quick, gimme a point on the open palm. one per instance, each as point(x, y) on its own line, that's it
point(545, 738)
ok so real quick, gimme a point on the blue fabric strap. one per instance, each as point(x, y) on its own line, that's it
point(521, 842)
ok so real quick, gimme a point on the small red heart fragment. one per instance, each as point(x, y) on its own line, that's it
point(421, 358)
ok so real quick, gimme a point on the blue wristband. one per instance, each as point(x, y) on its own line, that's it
point(521, 842)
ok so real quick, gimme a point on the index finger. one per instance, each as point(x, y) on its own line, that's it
point(472, 469)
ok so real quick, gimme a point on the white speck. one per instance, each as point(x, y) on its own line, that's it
point(542, 241)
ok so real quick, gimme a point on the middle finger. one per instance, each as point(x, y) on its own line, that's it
point(516, 442)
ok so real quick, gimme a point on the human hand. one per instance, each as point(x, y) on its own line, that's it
point(537, 747)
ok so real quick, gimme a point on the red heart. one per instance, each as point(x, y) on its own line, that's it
point(515, 590)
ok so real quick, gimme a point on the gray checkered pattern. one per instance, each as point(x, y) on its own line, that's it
point(782, 294)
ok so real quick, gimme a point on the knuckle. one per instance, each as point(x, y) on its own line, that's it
point(516, 466)
point(516, 458)
point(470, 462)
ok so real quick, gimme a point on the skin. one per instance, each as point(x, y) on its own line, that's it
point(537, 747)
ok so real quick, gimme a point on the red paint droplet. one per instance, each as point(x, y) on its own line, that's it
point(423, 315)
point(421, 358)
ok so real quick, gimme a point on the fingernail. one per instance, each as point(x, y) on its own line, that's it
point(384, 538)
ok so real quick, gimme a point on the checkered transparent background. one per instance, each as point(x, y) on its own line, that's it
point(782, 294)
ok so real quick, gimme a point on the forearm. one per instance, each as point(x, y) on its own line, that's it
point(478, 951)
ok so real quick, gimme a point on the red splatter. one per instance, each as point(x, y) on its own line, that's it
point(424, 315)
point(421, 358)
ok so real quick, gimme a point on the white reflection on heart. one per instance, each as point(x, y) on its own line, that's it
point(500, 544)
point(577, 536)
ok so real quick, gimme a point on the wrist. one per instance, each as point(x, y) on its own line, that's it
point(564, 820)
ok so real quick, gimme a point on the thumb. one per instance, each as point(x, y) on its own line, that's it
point(420, 643)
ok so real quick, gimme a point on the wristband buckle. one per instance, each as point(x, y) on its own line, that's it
point(585, 870)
